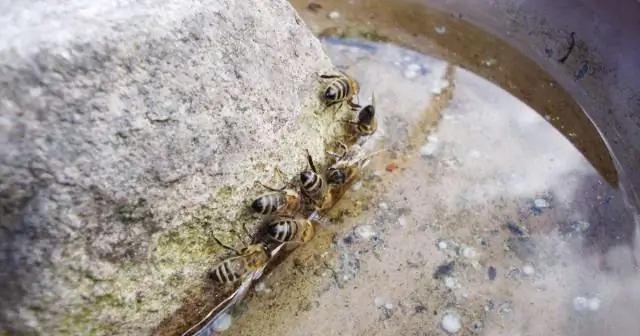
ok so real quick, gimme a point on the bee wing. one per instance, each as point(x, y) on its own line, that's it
point(222, 308)
point(315, 216)
point(232, 300)
point(364, 161)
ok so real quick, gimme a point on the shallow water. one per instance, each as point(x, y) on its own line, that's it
point(481, 210)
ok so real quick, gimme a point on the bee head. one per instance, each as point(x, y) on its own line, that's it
point(366, 115)
point(336, 176)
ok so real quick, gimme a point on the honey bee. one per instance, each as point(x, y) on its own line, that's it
point(314, 186)
point(290, 230)
point(365, 123)
point(344, 170)
point(281, 201)
point(341, 88)
point(248, 260)
point(256, 259)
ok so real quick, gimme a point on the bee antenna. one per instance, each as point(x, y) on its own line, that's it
point(223, 245)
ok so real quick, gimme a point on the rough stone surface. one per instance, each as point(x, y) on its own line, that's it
point(129, 131)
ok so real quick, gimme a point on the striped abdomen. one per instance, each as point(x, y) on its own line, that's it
point(229, 271)
point(313, 185)
point(339, 89)
point(269, 203)
point(283, 230)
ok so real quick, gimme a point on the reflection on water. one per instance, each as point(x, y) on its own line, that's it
point(484, 217)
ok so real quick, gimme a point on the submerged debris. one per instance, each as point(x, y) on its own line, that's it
point(476, 327)
point(523, 247)
point(515, 229)
point(444, 270)
point(492, 273)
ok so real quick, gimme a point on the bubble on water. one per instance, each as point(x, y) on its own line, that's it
point(468, 252)
point(260, 287)
point(593, 304)
point(222, 323)
point(430, 147)
point(365, 231)
point(412, 71)
point(451, 323)
point(452, 283)
point(541, 203)
point(440, 29)
point(580, 304)
point(489, 62)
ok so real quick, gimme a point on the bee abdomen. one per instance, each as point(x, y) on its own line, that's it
point(337, 90)
point(224, 274)
point(312, 183)
point(268, 204)
point(283, 230)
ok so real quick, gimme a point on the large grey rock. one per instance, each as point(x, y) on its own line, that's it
point(129, 131)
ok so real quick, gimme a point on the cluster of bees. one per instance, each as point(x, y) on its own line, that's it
point(292, 212)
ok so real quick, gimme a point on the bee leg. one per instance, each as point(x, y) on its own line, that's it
point(225, 246)
point(271, 188)
point(280, 174)
point(336, 156)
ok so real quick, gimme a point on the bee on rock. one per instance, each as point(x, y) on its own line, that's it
point(314, 186)
point(250, 259)
point(346, 169)
point(291, 230)
point(280, 201)
point(365, 123)
point(342, 88)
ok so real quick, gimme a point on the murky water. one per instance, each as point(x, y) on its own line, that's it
point(482, 215)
